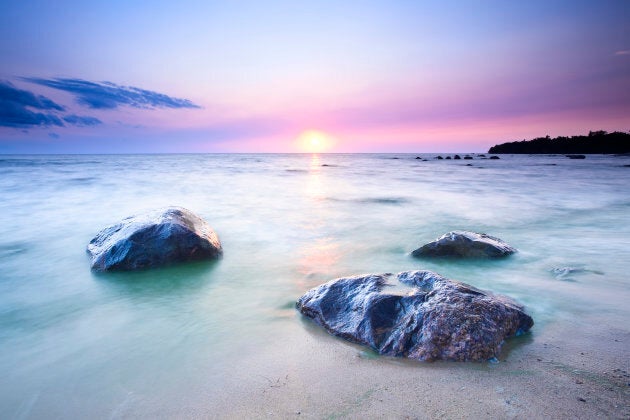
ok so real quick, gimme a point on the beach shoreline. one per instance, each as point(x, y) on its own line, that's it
point(549, 373)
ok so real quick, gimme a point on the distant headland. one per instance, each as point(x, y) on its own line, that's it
point(594, 142)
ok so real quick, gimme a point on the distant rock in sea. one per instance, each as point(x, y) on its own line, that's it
point(154, 239)
point(465, 244)
point(416, 314)
point(495, 157)
point(576, 156)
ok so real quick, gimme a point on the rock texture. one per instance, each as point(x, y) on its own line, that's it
point(416, 314)
point(465, 244)
point(154, 239)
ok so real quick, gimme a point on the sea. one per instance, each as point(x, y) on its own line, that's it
point(82, 344)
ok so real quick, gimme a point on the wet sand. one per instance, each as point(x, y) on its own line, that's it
point(566, 370)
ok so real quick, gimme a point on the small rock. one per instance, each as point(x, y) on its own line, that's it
point(465, 244)
point(581, 399)
point(567, 273)
point(495, 157)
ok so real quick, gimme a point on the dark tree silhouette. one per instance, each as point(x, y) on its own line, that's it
point(596, 142)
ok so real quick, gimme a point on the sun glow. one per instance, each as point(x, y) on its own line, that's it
point(315, 141)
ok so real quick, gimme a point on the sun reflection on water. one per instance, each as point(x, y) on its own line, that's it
point(315, 187)
point(320, 256)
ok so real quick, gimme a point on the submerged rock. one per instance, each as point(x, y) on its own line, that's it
point(576, 156)
point(416, 314)
point(566, 273)
point(465, 244)
point(495, 157)
point(154, 239)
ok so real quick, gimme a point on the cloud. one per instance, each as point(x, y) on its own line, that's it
point(81, 121)
point(23, 109)
point(622, 52)
point(10, 93)
point(16, 108)
point(106, 95)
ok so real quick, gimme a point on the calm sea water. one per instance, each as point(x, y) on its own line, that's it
point(81, 344)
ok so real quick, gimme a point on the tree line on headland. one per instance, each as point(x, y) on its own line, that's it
point(595, 142)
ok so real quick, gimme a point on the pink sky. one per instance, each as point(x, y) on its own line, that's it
point(377, 77)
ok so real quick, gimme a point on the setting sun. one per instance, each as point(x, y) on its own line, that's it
point(315, 141)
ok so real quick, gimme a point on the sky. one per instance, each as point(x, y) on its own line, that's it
point(304, 76)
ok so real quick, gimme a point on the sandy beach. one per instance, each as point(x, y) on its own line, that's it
point(569, 370)
point(552, 375)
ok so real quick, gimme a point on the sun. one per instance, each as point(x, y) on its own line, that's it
point(314, 141)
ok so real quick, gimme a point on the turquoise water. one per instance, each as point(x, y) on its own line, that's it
point(77, 343)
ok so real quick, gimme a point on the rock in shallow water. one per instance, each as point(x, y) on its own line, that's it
point(154, 239)
point(465, 244)
point(566, 273)
point(416, 314)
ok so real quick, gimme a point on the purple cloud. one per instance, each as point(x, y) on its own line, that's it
point(107, 95)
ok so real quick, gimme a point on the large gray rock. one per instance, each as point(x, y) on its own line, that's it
point(465, 244)
point(154, 239)
point(416, 314)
